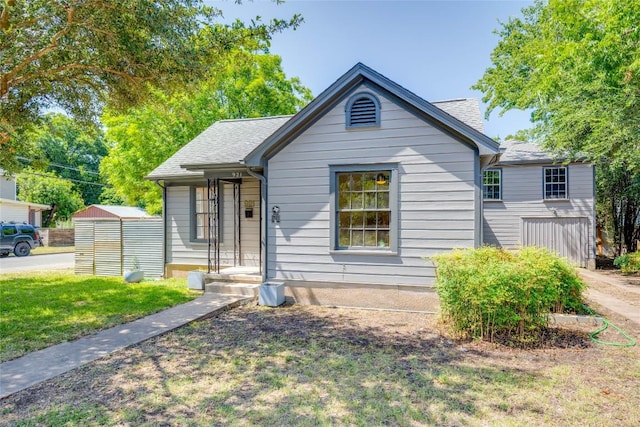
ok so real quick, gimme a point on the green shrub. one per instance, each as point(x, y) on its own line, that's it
point(489, 291)
point(628, 263)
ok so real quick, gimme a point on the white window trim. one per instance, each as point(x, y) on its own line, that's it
point(499, 199)
point(192, 214)
point(544, 184)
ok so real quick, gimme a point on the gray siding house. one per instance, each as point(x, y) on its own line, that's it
point(532, 198)
point(342, 201)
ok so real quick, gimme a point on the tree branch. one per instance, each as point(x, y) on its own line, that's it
point(88, 67)
point(4, 16)
point(6, 80)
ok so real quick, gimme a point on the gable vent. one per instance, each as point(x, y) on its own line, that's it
point(363, 111)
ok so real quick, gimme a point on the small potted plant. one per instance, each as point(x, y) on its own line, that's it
point(135, 275)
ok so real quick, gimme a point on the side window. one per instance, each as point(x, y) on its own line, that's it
point(201, 213)
point(26, 229)
point(206, 209)
point(9, 230)
point(362, 110)
point(555, 183)
point(492, 184)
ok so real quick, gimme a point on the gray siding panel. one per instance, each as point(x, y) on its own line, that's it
point(435, 208)
point(567, 236)
point(522, 197)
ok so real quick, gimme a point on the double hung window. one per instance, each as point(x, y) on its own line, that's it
point(207, 208)
point(555, 183)
point(364, 209)
point(491, 184)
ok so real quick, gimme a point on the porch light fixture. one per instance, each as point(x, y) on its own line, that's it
point(381, 179)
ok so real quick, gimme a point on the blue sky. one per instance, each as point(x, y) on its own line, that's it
point(436, 49)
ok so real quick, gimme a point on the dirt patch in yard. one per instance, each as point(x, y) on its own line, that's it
point(301, 365)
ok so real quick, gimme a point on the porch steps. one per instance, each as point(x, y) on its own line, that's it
point(233, 278)
point(242, 281)
point(233, 288)
point(238, 274)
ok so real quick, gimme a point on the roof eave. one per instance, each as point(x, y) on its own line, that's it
point(29, 204)
point(355, 76)
point(299, 121)
point(198, 167)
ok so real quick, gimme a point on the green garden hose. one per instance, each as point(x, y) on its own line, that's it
point(605, 324)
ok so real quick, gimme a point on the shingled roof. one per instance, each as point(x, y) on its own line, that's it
point(224, 142)
point(227, 143)
point(466, 110)
point(519, 152)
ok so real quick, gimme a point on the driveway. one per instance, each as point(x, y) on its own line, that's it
point(617, 293)
point(13, 264)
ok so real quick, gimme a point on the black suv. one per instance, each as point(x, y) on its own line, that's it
point(18, 238)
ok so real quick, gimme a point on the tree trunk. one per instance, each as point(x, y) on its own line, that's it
point(46, 223)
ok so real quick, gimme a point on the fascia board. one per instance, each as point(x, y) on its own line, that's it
point(358, 74)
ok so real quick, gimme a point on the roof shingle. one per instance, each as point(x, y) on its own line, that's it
point(226, 141)
point(230, 141)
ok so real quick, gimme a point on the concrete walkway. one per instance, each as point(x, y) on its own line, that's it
point(42, 365)
point(623, 308)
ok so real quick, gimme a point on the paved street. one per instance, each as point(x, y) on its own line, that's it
point(13, 264)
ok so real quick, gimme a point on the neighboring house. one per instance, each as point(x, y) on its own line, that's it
point(342, 201)
point(16, 210)
point(532, 198)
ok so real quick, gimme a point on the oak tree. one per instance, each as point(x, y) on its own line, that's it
point(48, 189)
point(78, 55)
point(70, 151)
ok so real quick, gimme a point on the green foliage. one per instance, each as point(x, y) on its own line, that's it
point(72, 151)
point(628, 263)
point(576, 63)
point(48, 189)
point(82, 55)
point(243, 85)
point(489, 291)
point(618, 204)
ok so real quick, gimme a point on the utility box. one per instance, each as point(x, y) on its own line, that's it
point(271, 294)
point(195, 280)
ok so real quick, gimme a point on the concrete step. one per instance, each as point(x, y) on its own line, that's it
point(233, 288)
point(230, 278)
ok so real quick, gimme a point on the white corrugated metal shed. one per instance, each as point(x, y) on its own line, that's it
point(111, 239)
point(111, 211)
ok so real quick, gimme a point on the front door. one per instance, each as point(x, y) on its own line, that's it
point(238, 223)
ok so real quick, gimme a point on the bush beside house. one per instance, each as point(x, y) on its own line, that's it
point(628, 263)
point(488, 291)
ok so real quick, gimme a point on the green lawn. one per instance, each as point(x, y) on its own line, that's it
point(315, 366)
point(45, 250)
point(41, 309)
